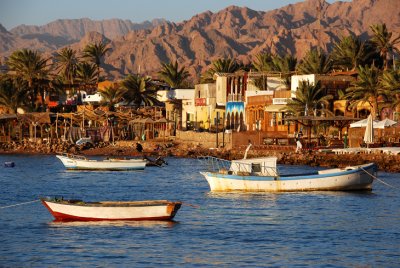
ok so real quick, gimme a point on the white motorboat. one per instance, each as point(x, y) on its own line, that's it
point(76, 162)
point(261, 174)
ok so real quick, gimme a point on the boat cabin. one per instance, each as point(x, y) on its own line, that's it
point(263, 166)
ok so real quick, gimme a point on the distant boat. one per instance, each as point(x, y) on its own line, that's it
point(157, 162)
point(261, 174)
point(84, 141)
point(78, 210)
point(9, 164)
point(77, 162)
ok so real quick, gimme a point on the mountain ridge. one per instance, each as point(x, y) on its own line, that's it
point(235, 32)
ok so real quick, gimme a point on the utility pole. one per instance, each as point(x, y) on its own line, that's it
point(319, 30)
point(216, 122)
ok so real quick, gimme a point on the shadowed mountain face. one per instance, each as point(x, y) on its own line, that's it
point(232, 32)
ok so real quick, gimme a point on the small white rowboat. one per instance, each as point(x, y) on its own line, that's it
point(261, 175)
point(76, 162)
point(77, 210)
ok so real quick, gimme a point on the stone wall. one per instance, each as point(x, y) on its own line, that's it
point(205, 139)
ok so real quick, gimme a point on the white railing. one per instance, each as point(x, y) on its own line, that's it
point(222, 166)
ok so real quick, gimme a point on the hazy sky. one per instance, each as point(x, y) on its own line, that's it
point(40, 12)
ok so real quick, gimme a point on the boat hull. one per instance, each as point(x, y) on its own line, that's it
point(113, 211)
point(348, 179)
point(109, 164)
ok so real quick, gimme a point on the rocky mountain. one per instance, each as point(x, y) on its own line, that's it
point(232, 32)
point(60, 33)
point(75, 29)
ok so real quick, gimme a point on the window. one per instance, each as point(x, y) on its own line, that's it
point(255, 167)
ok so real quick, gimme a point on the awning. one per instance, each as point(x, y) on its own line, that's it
point(339, 105)
point(364, 105)
point(276, 108)
point(8, 116)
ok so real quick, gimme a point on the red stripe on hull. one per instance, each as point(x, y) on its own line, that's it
point(64, 217)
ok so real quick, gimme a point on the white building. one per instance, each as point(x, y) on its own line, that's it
point(183, 96)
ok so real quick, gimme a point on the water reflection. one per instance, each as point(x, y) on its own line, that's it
point(149, 224)
point(274, 195)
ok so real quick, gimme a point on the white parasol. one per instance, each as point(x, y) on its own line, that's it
point(385, 123)
point(369, 131)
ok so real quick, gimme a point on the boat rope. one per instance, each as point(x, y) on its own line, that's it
point(376, 178)
point(24, 203)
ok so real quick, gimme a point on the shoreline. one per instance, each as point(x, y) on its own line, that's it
point(385, 162)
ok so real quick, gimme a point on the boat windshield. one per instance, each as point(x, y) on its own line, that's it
point(244, 167)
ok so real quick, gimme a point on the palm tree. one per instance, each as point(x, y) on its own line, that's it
point(315, 62)
point(285, 65)
point(95, 54)
point(221, 66)
point(31, 67)
point(139, 90)
point(13, 93)
point(112, 95)
point(172, 75)
point(67, 64)
point(308, 96)
point(351, 52)
point(366, 89)
point(382, 38)
point(266, 62)
point(263, 62)
point(86, 76)
point(390, 80)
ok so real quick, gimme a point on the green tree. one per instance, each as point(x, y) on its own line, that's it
point(172, 75)
point(351, 52)
point(86, 76)
point(263, 62)
point(31, 67)
point(221, 66)
point(112, 95)
point(66, 63)
point(285, 66)
point(268, 63)
point(95, 53)
point(139, 90)
point(13, 93)
point(308, 97)
point(390, 81)
point(315, 62)
point(382, 38)
point(366, 88)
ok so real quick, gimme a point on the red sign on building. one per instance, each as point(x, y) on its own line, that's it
point(200, 102)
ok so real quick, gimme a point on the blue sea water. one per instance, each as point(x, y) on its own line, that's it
point(315, 229)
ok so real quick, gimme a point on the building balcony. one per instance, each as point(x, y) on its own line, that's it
point(235, 98)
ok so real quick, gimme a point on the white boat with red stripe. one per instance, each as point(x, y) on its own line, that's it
point(78, 210)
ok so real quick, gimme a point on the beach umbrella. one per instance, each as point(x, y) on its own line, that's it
point(369, 131)
point(385, 123)
point(362, 123)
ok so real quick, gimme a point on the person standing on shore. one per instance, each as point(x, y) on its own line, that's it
point(299, 146)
